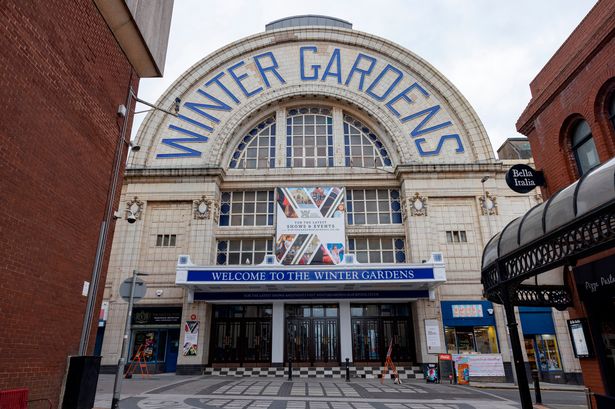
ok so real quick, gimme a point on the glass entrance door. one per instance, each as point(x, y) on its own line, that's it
point(376, 326)
point(241, 334)
point(312, 334)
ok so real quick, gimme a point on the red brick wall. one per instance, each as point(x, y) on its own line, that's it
point(591, 78)
point(574, 84)
point(62, 76)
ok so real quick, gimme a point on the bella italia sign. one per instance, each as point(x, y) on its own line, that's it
point(218, 95)
point(522, 178)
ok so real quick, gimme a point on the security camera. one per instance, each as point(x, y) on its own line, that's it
point(178, 102)
point(117, 215)
point(131, 218)
point(159, 293)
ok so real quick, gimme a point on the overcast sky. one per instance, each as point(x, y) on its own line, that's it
point(489, 49)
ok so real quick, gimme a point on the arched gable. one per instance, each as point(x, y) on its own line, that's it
point(422, 113)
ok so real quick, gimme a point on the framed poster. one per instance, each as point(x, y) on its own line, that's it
point(579, 334)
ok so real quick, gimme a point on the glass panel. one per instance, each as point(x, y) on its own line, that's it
point(450, 339)
point(465, 340)
point(318, 311)
point(486, 341)
point(587, 156)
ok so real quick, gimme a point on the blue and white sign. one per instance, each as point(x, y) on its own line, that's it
point(310, 276)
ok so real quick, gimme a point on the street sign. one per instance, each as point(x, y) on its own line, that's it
point(139, 293)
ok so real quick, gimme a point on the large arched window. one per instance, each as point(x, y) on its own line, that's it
point(362, 147)
point(309, 137)
point(257, 148)
point(583, 147)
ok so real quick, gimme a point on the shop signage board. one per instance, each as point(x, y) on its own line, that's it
point(522, 178)
point(467, 310)
point(157, 316)
point(310, 226)
point(596, 280)
point(481, 364)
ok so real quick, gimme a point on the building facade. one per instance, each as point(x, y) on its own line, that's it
point(64, 73)
point(570, 123)
point(323, 195)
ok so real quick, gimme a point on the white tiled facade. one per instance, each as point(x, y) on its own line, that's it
point(447, 174)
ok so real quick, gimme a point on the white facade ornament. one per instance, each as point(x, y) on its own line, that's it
point(488, 204)
point(134, 208)
point(418, 205)
point(203, 208)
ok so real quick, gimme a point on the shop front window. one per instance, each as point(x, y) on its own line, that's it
point(547, 355)
point(149, 345)
point(471, 340)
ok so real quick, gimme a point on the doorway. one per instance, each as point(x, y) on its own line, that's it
point(241, 334)
point(312, 333)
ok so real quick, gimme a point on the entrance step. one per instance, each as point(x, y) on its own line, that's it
point(368, 372)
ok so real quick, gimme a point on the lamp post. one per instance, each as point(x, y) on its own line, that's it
point(117, 385)
point(123, 111)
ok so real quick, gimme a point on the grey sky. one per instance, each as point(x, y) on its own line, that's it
point(489, 49)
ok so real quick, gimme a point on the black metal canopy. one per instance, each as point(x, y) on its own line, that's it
point(525, 261)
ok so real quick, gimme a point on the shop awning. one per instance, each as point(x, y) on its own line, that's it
point(273, 281)
point(526, 259)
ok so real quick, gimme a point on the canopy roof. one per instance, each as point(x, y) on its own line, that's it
point(577, 221)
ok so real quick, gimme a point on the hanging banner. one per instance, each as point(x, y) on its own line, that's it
point(191, 337)
point(310, 225)
point(481, 364)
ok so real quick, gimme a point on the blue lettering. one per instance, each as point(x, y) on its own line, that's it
point(362, 72)
point(418, 130)
point(194, 122)
point(302, 64)
point(196, 107)
point(389, 67)
point(436, 151)
point(335, 58)
point(272, 68)
point(175, 143)
point(239, 78)
point(216, 80)
point(404, 95)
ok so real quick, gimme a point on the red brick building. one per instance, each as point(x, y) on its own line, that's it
point(570, 124)
point(65, 67)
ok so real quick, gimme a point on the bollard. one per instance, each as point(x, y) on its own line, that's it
point(536, 386)
point(347, 369)
point(290, 369)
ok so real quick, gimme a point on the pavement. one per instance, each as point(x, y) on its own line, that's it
point(208, 392)
point(544, 386)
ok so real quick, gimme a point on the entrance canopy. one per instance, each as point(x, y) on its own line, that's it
point(525, 261)
point(272, 281)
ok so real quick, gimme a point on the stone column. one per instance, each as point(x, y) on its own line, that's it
point(278, 334)
point(345, 332)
